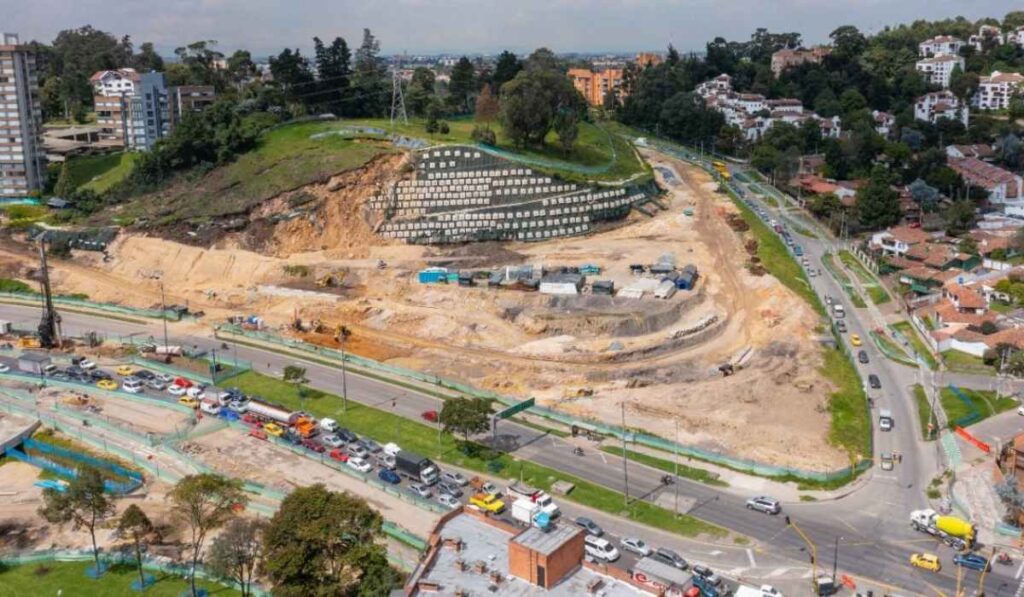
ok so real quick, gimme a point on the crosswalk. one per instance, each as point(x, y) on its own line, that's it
point(952, 450)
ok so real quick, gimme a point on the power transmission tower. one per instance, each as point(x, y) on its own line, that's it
point(49, 326)
point(397, 98)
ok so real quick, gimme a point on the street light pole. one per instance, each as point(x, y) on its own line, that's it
point(676, 483)
point(344, 376)
point(163, 316)
point(625, 457)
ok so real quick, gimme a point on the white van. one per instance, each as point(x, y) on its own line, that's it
point(838, 311)
point(133, 385)
point(599, 548)
point(209, 407)
point(328, 425)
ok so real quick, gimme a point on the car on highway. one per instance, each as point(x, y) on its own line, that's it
point(370, 445)
point(274, 429)
point(887, 461)
point(359, 464)
point(145, 375)
point(240, 405)
point(197, 392)
point(450, 488)
point(455, 477)
point(387, 461)
point(840, 326)
point(355, 449)
point(707, 574)
point(874, 382)
point(589, 526)
point(125, 370)
point(339, 455)
point(4, 368)
point(636, 545)
point(176, 390)
point(1020, 410)
point(209, 407)
point(421, 490)
point(974, 561)
point(855, 340)
point(926, 561)
point(671, 558)
point(389, 476)
point(448, 501)
point(346, 436)
point(98, 374)
point(106, 384)
point(764, 504)
point(313, 445)
point(167, 379)
point(862, 356)
point(599, 548)
point(132, 385)
point(188, 401)
point(83, 362)
point(156, 384)
point(331, 441)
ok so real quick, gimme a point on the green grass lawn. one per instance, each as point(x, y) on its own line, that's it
point(984, 402)
point(999, 307)
point(69, 579)
point(924, 413)
point(872, 284)
point(910, 333)
point(777, 260)
point(605, 156)
point(851, 420)
point(803, 231)
point(423, 438)
point(689, 472)
point(286, 158)
point(829, 261)
point(961, 362)
point(891, 350)
point(100, 172)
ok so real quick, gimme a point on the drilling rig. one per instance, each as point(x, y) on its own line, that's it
point(49, 326)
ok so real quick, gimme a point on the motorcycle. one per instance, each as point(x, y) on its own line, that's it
point(578, 451)
point(1004, 558)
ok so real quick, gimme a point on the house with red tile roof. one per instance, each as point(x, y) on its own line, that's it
point(1003, 186)
point(898, 240)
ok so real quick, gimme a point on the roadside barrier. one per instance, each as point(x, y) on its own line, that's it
point(63, 301)
point(972, 416)
point(134, 479)
point(743, 465)
point(973, 440)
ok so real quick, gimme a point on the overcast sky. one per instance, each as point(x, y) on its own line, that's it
point(422, 26)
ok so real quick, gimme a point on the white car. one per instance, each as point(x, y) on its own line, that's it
point(209, 407)
point(455, 477)
point(133, 385)
point(4, 368)
point(165, 377)
point(196, 392)
point(636, 545)
point(176, 390)
point(1020, 410)
point(360, 465)
point(448, 501)
point(87, 364)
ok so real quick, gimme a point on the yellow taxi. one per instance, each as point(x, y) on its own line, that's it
point(927, 561)
point(488, 502)
point(855, 340)
point(106, 384)
point(273, 429)
point(125, 370)
point(188, 401)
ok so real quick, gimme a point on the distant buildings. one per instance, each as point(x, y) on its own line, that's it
point(940, 44)
point(593, 86)
point(933, 107)
point(783, 59)
point(884, 122)
point(186, 99)
point(645, 59)
point(987, 34)
point(22, 159)
point(938, 70)
point(1004, 187)
point(148, 114)
point(995, 90)
point(754, 114)
point(114, 83)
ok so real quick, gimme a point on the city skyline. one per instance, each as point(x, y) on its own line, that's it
point(459, 26)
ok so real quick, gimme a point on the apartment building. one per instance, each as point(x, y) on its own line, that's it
point(22, 158)
point(995, 90)
point(645, 59)
point(938, 70)
point(186, 99)
point(148, 114)
point(933, 107)
point(783, 59)
point(593, 86)
point(987, 35)
point(110, 83)
point(940, 44)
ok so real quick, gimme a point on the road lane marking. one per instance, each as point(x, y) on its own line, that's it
point(603, 459)
point(1020, 570)
point(848, 525)
point(750, 556)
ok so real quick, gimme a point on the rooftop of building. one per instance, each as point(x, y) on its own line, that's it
point(984, 174)
point(482, 542)
point(942, 39)
point(999, 77)
point(546, 542)
point(940, 59)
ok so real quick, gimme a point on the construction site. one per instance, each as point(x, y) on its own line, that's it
point(731, 361)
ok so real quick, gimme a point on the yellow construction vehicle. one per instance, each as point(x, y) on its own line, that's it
point(28, 342)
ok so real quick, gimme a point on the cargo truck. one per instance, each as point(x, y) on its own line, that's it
point(522, 491)
point(416, 467)
point(953, 531)
point(529, 513)
point(273, 413)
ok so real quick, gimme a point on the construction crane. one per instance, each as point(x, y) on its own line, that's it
point(49, 326)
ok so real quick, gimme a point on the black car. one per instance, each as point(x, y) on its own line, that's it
point(862, 356)
point(98, 374)
point(589, 526)
point(346, 436)
point(145, 375)
point(671, 558)
point(292, 438)
point(874, 382)
point(450, 488)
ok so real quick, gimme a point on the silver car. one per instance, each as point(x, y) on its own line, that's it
point(448, 501)
point(764, 504)
point(636, 545)
point(455, 477)
point(421, 490)
point(331, 441)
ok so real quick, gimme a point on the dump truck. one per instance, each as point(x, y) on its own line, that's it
point(416, 467)
point(953, 531)
point(303, 425)
point(547, 505)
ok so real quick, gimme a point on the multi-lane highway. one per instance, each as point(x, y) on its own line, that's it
point(870, 523)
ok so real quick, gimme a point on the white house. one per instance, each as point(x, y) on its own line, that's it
point(995, 90)
point(751, 103)
point(898, 240)
point(1004, 187)
point(1016, 37)
point(113, 83)
point(986, 34)
point(884, 122)
point(938, 70)
point(939, 105)
point(940, 44)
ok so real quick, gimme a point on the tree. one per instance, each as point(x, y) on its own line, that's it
point(566, 126)
point(65, 186)
point(487, 106)
point(294, 374)
point(147, 60)
point(237, 553)
point(461, 86)
point(83, 503)
point(205, 502)
point(877, 203)
point(505, 69)
point(200, 61)
point(467, 416)
point(483, 134)
point(685, 117)
point(333, 74)
point(1015, 365)
point(959, 217)
point(922, 194)
point(137, 526)
point(322, 542)
point(420, 91)
point(368, 80)
point(531, 101)
point(290, 71)
point(963, 84)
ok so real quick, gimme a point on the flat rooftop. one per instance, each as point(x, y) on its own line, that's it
point(546, 543)
point(483, 543)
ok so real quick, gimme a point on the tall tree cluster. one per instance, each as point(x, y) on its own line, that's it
point(541, 99)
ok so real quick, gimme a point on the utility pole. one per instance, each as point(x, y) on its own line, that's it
point(344, 373)
point(625, 457)
point(675, 449)
point(835, 559)
point(163, 316)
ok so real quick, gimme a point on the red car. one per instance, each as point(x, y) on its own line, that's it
point(314, 445)
point(430, 415)
point(339, 455)
point(258, 433)
point(182, 382)
point(251, 419)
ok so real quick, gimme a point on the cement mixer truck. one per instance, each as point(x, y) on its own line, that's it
point(954, 532)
